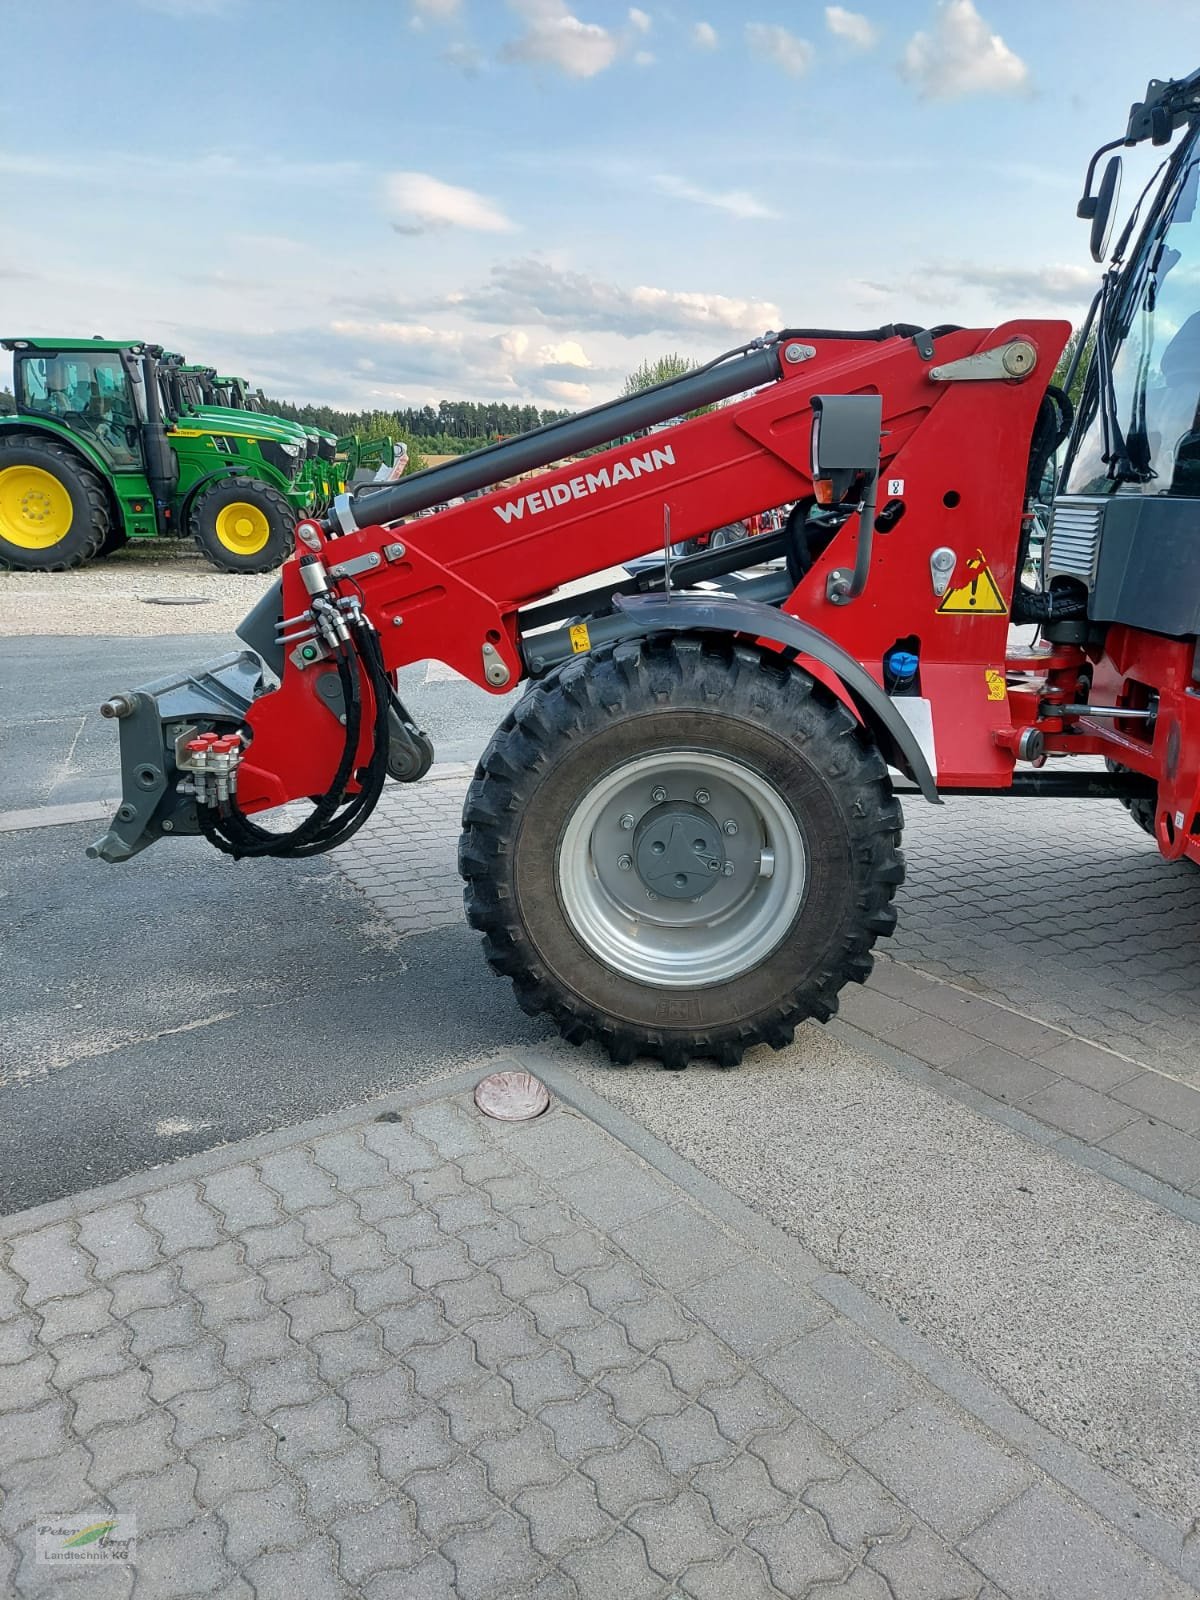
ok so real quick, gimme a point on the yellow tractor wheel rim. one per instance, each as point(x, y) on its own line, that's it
point(35, 508)
point(243, 529)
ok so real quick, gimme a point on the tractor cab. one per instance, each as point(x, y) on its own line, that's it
point(90, 390)
point(1124, 541)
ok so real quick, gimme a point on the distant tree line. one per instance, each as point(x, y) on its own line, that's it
point(449, 428)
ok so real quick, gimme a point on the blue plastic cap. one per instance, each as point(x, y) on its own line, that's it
point(902, 664)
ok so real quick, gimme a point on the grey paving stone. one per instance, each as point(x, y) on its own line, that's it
point(484, 1411)
point(290, 1381)
point(1082, 1112)
point(188, 1561)
point(259, 1520)
point(418, 1230)
point(752, 1308)
point(1086, 1064)
point(64, 1319)
point(442, 1264)
point(242, 1198)
point(405, 1327)
point(798, 1552)
point(194, 1366)
point(100, 1400)
point(524, 1460)
point(419, 1444)
point(456, 1212)
point(949, 1475)
point(403, 1152)
point(581, 1426)
point(297, 1180)
point(933, 1040)
point(678, 1245)
point(338, 1221)
point(862, 1584)
point(350, 1161)
point(740, 1573)
point(163, 1501)
point(834, 1377)
point(505, 1339)
point(922, 1567)
point(563, 1516)
point(208, 1414)
point(162, 1328)
point(630, 1475)
point(220, 1263)
point(334, 1484)
point(51, 1264)
point(132, 1449)
point(389, 1286)
point(1039, 1545)
point(84, 1358)
point(493, 1560)
point(595, 1194)
point(454, 1496)
point(240, 1301)
point(179, 1216)
point(310, 1572)
point(1164, 1099)
point(641, 1392)
point(797, 1456)
point(687, 1440)
point(328, 1312)
point(118, 1240)
point(431, 1579)
point(469, 1300)
point(858, 1510)
point(539, 1379)
point(614, 1286)
point(375, 1540)
point(530, 1273)
point(229, 1466)
point(678, 1532)
point(739, 1491)
point(564, 1142)
point(56, 1482)
point(746, 1407)
point(280, 1241)
point(599, 1348)
point(447, 1129)
point(318, 1428)
point(388, 1199)
point(374, 1398)
point(446, 1365)
point(1001, 1073)
point(363, 1252)
point(542, 1221)
point(346, 1353)
point(616, 1567)
point(136, 1291)
point(19, 1336)
point(1162, 1151)
point(699, 1362)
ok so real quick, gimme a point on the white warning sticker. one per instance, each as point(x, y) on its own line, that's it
point(895, 485)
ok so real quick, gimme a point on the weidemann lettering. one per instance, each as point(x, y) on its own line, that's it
point(560, 494)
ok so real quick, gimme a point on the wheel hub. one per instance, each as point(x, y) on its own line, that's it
point(678, 850)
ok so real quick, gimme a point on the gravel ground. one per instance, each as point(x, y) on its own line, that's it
point(111, 597)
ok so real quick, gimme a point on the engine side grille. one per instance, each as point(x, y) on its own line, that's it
point(1073, 543)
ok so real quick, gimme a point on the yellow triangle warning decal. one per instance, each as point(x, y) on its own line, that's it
point(979, 596)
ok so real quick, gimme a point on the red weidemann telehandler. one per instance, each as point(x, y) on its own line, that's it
point(684, 838)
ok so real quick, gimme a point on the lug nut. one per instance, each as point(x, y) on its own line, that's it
point(727, 871)
point(627, 821)
point(658, 795)
point(729, 826)
point(625, 862)
point(702, 797)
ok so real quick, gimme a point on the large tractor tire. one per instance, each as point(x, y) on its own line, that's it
point(679, 849)
point(55, 511)
point(1142, 811)
point(243, 525)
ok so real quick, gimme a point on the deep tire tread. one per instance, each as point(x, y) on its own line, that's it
point(602, 684)
point(100, 508)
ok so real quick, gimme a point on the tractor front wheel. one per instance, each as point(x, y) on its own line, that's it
point(54, 510)
point(679, 849)
point(243, 525)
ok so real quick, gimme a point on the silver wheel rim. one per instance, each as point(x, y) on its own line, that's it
point(673, 939)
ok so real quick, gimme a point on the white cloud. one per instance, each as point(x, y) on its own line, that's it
point(961, 56)
point(787, 50)
point(555, 37)
point(572, 394)
point(417, 202)
point(570, 353)
point(737, 202)
point(851, 26)
point(639, 20)
point(704, 36)
point(437, 10)
point(1020, 288)
point(533, 291)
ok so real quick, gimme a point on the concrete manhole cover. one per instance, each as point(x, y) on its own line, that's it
point(175, 599)
point(512, 1096)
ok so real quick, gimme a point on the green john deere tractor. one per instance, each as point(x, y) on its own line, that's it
point(95, 454)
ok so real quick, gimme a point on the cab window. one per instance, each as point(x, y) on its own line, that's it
point(86, 391)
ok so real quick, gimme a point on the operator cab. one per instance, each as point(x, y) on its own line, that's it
point(1125, 531)
point(88, 389)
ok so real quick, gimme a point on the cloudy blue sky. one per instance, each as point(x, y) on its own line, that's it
point(385, 202)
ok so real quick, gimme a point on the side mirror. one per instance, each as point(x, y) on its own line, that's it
point(1103, 208)
point(846, 433)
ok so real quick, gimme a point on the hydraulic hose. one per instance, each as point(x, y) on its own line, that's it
point(233, 833)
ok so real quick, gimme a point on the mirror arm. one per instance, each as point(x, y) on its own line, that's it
point(1086, 209)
